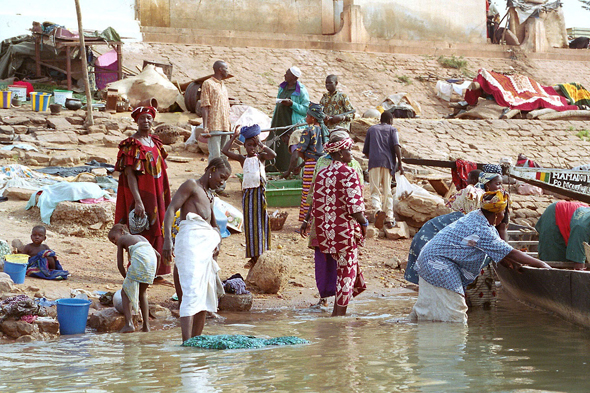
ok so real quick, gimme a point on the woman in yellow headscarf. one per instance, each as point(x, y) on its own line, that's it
point(456, 255)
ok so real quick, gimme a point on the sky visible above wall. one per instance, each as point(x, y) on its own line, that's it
point(575, 15)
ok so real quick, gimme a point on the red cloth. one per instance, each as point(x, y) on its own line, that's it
point(154, 190)
point(28, 85)
point(461, 172)
point(526, 163)
point(516, 92)
point(564, 210)
point(337, 196)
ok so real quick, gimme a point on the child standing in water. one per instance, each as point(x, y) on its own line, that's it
point(256, 226)
point(144, 262)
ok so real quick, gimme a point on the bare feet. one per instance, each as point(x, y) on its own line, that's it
point(146, 329)
point(250, 264)
point(162, 281)
point(127, 329)
point(379, 219)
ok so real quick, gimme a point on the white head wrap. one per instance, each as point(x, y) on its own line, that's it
point(295, 71)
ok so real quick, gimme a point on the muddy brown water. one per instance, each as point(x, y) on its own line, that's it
point(510, 349)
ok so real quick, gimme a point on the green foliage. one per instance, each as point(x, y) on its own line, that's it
point(458, 63)
point(268, 76)
point(453, 62)
point(584, 135)
point(404, 79)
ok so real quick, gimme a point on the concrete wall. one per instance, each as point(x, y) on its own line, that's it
point(268, 16)
point(16, 17)
point(432, 20)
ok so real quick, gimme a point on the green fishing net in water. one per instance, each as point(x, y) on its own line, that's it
point(238, 341)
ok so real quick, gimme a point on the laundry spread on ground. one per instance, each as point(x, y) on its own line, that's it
point(238, 341)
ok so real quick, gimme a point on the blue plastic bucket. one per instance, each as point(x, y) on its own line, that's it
point(16, 271)
point(72, 315)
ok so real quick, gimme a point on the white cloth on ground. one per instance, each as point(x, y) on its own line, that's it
point(438, 305)
point(198, 271)
point(53, 194)
point(254, 173)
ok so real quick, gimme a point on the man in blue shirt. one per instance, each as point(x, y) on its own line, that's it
point(381, 143)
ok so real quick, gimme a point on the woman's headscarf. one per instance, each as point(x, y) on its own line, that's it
point(317, 112)
point(143, 109)
point(497, 203)
point(250, 131)
point(333, 147)
point(488, 173)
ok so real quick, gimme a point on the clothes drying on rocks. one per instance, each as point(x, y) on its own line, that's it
point(516, 92)
point(576, 94)
point(20, 305)
point(53, 194)
point(238, 341)
point(73, 171)
point(20, 176)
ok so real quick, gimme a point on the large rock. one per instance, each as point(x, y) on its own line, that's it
point(59, 138)
point(19, 194)
point(160, 312)
point(47, 325)
point(112, 141)
point(107, 320)
point(15, 329)
point(271, 272)
point(6, 284)
point(80, 219)
point(399, 231)
point(417, 209)
point(15, 120)
point(359, 127)
point(231, 302)
point(38, 158)
point(58, 123)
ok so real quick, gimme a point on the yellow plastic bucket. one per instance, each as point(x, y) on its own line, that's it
point(40, 101)
point(5, 99)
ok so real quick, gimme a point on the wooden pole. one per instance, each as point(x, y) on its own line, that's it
point(89, 118)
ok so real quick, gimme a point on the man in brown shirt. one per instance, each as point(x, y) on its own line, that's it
point(215, 109)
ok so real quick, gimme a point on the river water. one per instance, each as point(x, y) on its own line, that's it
point(509, 349)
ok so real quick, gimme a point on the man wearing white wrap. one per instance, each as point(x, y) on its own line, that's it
point(197, 246)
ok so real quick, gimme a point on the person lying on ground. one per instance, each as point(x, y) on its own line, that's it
point(456, 255)
point(143, 264)
point(196, 247)
point(256, 225)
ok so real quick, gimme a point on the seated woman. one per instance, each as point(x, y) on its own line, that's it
point(563, 228)
point(456, 255)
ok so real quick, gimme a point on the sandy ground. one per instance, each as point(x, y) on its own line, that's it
point(92, 261)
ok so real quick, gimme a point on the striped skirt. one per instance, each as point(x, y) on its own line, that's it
point(308, 170)
point(256, 225)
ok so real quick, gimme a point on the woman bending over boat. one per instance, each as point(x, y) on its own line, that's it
point(456, 255)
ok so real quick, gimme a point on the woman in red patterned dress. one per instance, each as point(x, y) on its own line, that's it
point(143, 182)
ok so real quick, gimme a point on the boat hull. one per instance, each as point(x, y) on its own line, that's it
point(563, 292)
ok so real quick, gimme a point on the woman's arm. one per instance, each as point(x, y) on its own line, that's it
point(132, 183)
point(520, 257)
point(183, 193)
